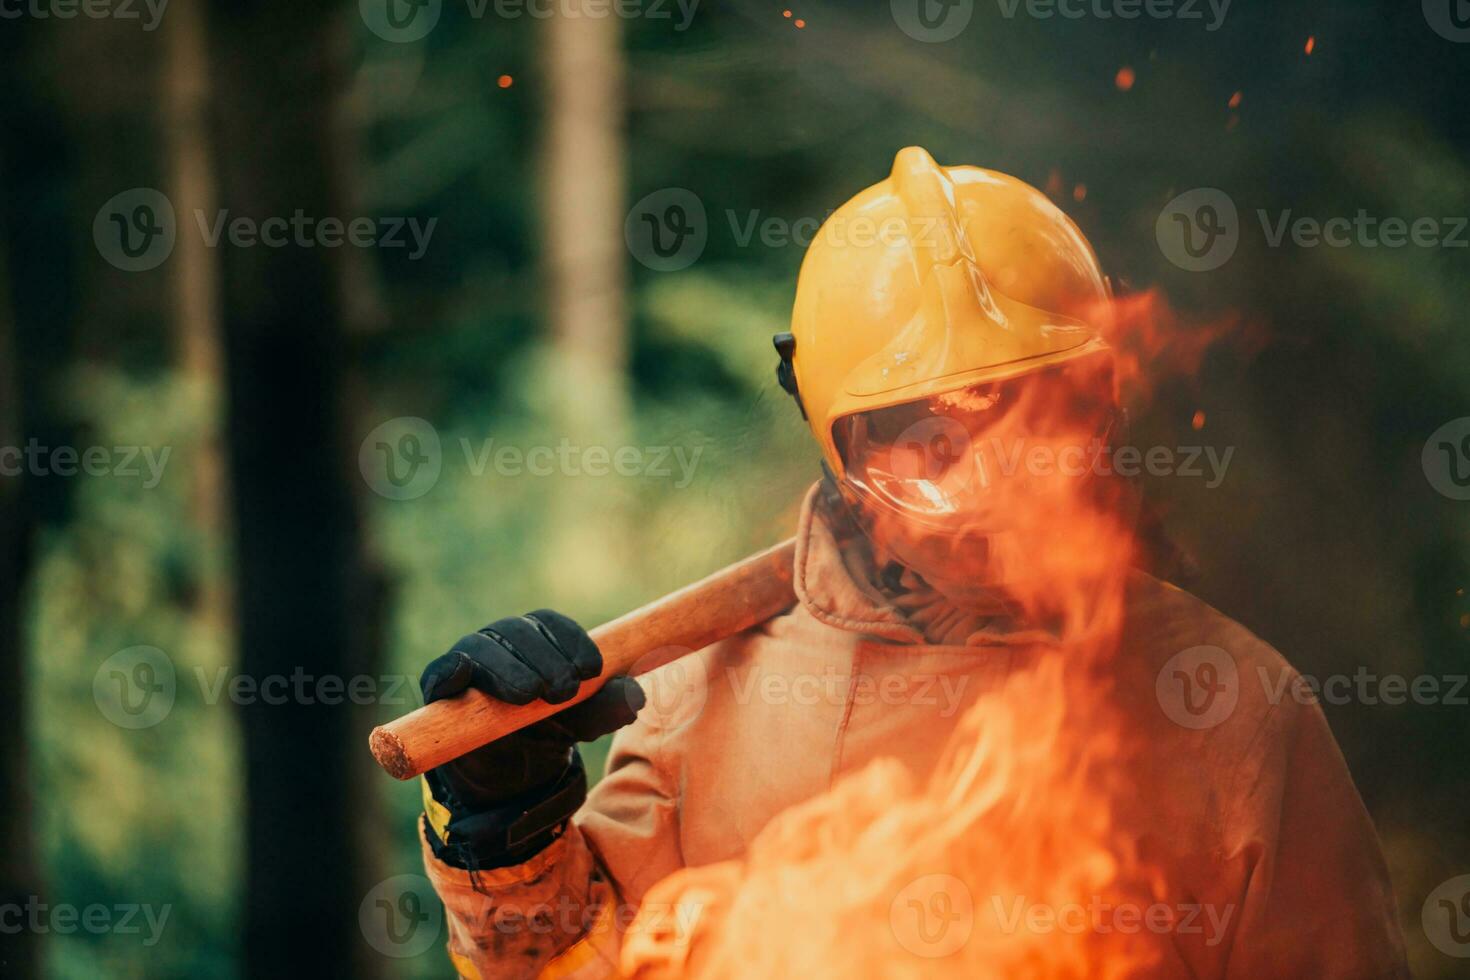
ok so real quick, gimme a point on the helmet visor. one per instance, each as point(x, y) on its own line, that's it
point(954, 458)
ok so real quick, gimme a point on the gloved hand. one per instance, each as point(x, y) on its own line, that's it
point(508, 800)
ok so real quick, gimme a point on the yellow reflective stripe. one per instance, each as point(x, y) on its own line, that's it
point(463, 966)
point(435, 811)
point(582, 952)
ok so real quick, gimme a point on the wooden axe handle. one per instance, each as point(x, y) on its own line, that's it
point(733, 599)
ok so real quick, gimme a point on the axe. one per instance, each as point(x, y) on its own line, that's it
point(731, 600)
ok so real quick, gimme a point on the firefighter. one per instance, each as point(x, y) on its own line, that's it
point(973, 318)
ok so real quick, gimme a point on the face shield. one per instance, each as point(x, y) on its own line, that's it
point(963, 460)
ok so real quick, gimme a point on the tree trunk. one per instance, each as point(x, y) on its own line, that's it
point(19, 949)
point(584, 271)
point(303, 583)
point(582, 212)
point(194, 287)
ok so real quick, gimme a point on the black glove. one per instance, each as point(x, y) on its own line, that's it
point(508, 800)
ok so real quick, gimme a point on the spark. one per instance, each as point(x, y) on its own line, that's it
point(1124, 79)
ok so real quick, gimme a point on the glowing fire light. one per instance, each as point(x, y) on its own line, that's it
point(1311, 43)
point(1198, 422)
point(1124, 79)
point(505, 81)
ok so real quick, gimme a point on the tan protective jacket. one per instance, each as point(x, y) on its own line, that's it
point(1254, 815)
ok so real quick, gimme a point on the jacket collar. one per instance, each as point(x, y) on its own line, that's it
point(835, 582)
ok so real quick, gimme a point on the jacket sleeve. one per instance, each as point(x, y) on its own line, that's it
point(1317, 900)
point(562, 913)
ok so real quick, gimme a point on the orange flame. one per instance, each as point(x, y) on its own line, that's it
point(889, 876)
point(882, 878)
point(1153, 343)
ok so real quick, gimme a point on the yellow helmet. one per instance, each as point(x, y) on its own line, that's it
point(932, 280)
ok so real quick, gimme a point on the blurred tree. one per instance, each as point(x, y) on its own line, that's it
point(582, 212)
point(583, 275)
point(304, 591)
point(195, 289)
